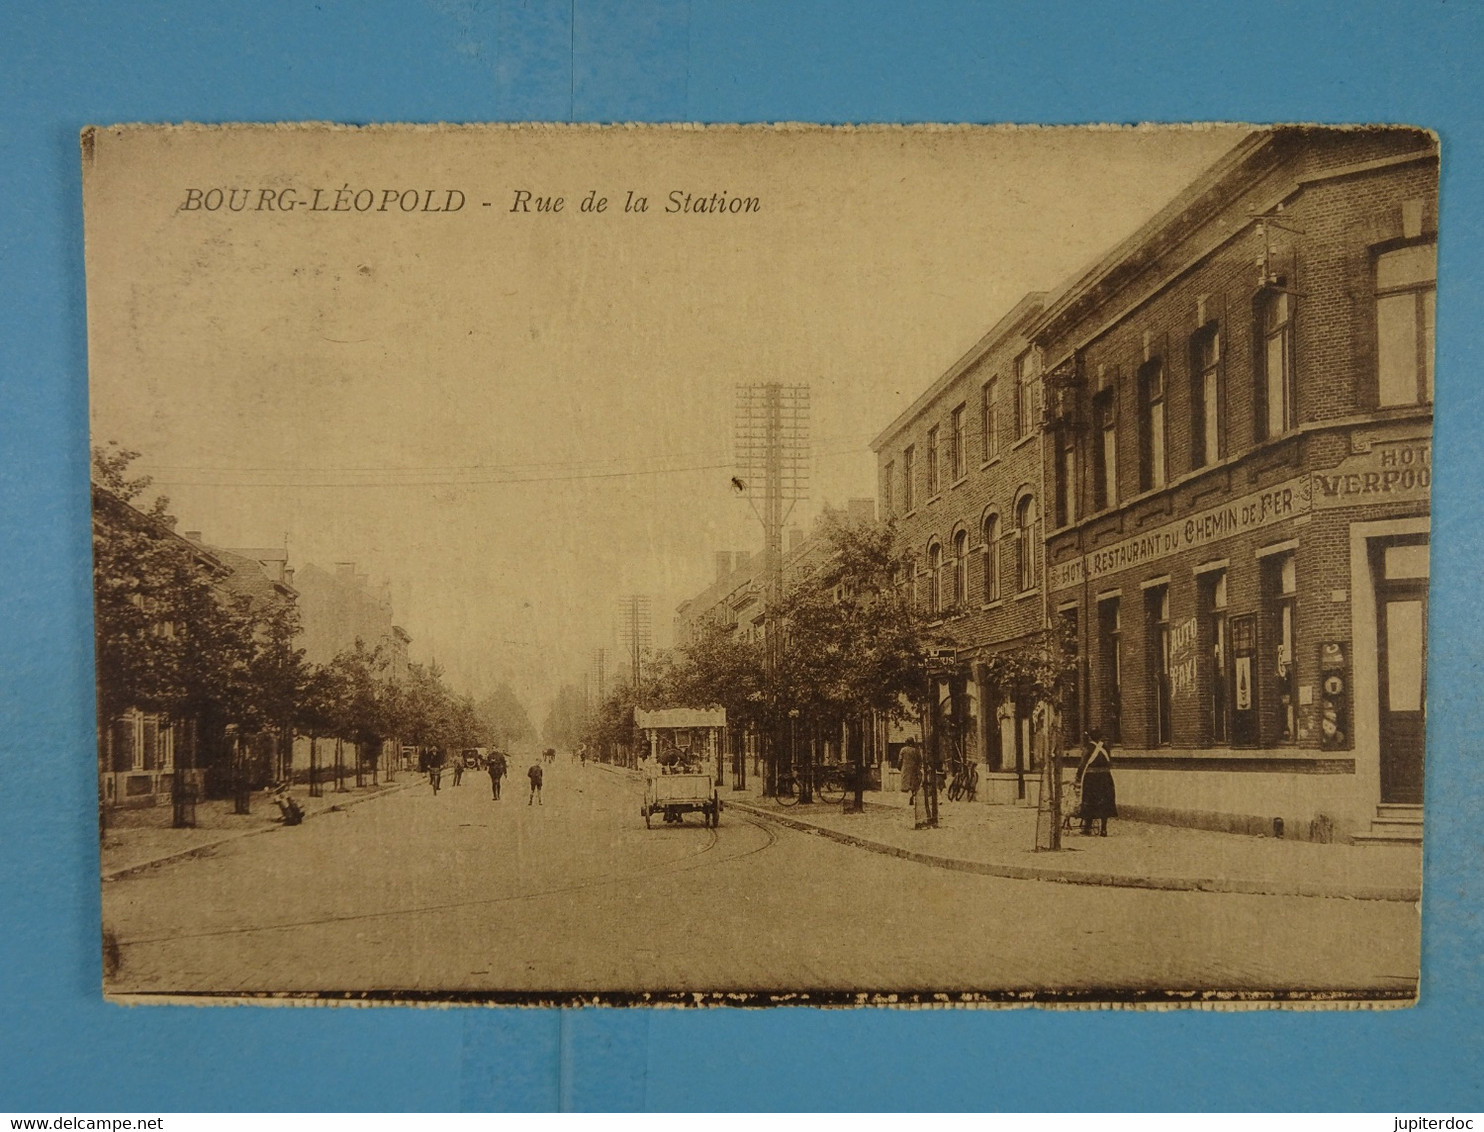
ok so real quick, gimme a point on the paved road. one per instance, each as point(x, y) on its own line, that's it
point(460, 893)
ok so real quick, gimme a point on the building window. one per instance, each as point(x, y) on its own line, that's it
point(909, 459)
point(961, 569)
point(1110, 660)
point(1280, 585)
point(1276, 387)
point(932, 461)
point(1025, 543)
point(1066, 477)
point(1406, 302)
point(1157, 614)
point(989, 418)
point(935, 578)
point(909, 586)
point(1205, 397)
point(888, 502)
point(1152, 424)
point(992, 558)
point(956, 442)
point(1218, 657)
point(1025, 394)
point(1104, 450)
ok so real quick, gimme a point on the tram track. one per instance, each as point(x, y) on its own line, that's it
point(687, 862)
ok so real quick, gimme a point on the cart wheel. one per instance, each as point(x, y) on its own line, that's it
point(715, 813)
point(646, 817)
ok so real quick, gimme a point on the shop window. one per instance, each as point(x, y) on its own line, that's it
point(1152, 425)
point(909, 460)
point(1276, 415)
point(1280, 586)
point(989, 418)
point(1205, 397)
point(1105, 450)
point(932, 461)
point(1157, 617)
point(956, 443)
point(1406, 311)
point(1216, 687)
point(1072, 700)
point(1110, 661)
point(992, 558)
point(1025, 543)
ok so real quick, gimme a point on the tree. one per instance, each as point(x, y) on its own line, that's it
point(504, 717)
point(853, 643)
point(1042, 670)
point(565, 718)
point(170, 637)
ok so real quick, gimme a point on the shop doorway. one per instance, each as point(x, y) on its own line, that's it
point(1400, 571)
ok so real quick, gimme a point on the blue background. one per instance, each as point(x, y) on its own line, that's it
point(64, 65)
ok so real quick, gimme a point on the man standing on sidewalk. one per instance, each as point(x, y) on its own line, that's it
point(496, 766)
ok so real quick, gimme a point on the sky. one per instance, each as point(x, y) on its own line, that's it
point(516, 418)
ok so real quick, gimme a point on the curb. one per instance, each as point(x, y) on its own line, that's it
point(1107, 880)
point(207, 846)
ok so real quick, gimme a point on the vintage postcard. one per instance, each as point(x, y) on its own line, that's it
point(743, 565)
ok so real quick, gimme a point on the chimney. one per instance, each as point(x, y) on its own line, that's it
point(861, 510)
point(346, 571)
point(288, 575)
point(194, 536)
point(795, 538)
point(743, 558)
point(723, 564)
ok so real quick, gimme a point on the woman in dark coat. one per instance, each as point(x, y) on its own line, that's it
point(1095, 777)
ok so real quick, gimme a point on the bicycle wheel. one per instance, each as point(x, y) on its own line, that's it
point(971, 789)
point(955, 789)
point(828, 787)
point(788, 790)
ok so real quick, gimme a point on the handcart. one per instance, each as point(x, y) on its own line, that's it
point(675, 795)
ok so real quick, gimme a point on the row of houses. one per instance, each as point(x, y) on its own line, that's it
point(1207, 458)
point(140, 752)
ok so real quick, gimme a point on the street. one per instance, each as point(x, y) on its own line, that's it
point(457, 892)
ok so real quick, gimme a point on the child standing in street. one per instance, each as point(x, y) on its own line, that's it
point(534, 774)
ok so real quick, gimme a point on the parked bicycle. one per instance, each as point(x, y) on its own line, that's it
point(963, 781)
point(829, 783)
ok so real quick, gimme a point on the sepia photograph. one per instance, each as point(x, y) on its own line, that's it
point(750, 565)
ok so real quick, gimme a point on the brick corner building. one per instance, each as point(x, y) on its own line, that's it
point(1237, 451)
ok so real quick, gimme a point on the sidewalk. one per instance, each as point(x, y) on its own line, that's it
point(999, 841)
point(135, 840)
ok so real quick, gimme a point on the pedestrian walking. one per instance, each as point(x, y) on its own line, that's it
point(534, 774)
point(458, 768)
point(496, 766)
point(1095, 780)
point(435, 769)
point(912, 782)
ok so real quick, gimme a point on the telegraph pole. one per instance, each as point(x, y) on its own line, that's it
point(773, 451)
